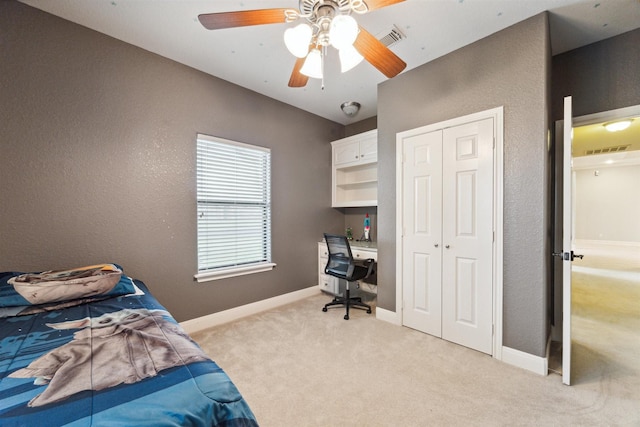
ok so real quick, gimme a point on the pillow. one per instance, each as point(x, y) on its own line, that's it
point(94, 281)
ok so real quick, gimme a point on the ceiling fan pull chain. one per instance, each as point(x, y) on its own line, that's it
point(324, 53)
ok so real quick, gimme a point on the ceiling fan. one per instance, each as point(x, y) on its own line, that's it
point(323, 23)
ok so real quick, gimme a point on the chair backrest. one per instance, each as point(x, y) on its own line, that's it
point(340, 262)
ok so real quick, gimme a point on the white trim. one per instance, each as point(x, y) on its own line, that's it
point(226, 316)
point(399, 228)
point(225, 273)
point(388, 316)
point(498, 226)
point(536, 364)
point(605, 116)
point(498, 173)
point(211, 138)
point(599, 243)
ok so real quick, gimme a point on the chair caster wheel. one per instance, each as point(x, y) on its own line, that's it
point(346, 317)
point(369, 311)
point(324, 309)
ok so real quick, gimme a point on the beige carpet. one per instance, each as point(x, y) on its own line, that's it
point(298, 366)
point(606, 317)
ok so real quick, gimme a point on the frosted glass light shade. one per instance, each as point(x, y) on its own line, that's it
point(297, 40)
point(349, 58)
point(343, 31)
point(312, 66)
point(617, 126)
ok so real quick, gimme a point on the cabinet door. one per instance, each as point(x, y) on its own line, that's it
point(369, 149)
point(346, 153)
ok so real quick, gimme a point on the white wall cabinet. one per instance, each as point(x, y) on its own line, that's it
point(355, 170)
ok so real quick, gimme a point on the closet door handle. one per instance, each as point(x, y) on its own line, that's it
point(436, 245)
point(446, 246)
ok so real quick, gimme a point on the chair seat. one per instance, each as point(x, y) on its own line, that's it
point(359, 273)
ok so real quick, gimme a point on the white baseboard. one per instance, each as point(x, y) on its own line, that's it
point(388, 316)
point(226, 316)
point(597, 243)
point(536, 364)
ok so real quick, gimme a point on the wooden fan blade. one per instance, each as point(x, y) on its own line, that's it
point(378, 54)
point(377, 4)
point(245, 18)
point(298, 79)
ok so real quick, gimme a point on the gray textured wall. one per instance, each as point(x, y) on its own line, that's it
point(510, 69)
point(98, 150)
point(599, 77)
point(361, 126)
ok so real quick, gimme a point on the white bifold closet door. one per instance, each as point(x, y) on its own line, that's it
point(448, 233)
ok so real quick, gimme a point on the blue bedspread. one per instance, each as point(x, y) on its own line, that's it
point(122, 361)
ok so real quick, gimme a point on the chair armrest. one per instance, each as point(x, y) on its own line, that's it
point(369, 264)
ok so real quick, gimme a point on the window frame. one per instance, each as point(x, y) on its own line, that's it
point(236, 268)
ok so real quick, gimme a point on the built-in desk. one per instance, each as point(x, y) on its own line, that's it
point(360, 250)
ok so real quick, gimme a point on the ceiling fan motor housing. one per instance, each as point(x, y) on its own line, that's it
point(315, 9)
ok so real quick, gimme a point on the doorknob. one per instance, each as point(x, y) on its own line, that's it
point(436, 245)
point(575, 256)
point(567, 256)
point(447, 246)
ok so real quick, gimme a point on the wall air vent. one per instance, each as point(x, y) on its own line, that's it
point(391, 36)
point(605, 150)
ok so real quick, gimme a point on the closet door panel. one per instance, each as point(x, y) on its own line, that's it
point(466, 191)
point(422, 232)
point(467, 310)
point(466, 282)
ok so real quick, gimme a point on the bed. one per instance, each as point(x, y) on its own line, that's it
point(90, 346)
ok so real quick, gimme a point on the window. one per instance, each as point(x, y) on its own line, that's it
point(234, 208)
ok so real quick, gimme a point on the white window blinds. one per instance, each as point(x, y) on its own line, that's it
point(234, 208)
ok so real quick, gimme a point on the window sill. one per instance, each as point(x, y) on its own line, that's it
point(225, 273)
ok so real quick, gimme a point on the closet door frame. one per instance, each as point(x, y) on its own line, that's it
point(497, 114)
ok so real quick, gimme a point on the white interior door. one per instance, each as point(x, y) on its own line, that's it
point(567, 226)
point(447, 232)
point(467, 261)
point(422, 223)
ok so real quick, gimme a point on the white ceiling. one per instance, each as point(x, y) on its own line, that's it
point(256, 58)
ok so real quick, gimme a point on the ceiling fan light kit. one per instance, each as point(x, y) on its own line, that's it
point(349, 58)
point(313, 64)
point(343, 31)
point(297, 40)
point(326, 22)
